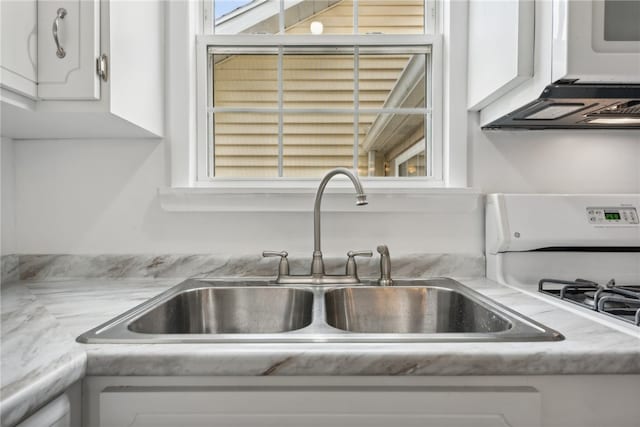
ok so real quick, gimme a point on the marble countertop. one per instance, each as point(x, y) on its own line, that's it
point(40, 358)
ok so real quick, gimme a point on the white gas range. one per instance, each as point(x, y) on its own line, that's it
point(580, 252)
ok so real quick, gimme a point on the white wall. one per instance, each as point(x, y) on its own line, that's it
point(7, 202)
point(101, 197)
point(553, 161)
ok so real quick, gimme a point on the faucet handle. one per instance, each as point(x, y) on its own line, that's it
point(352, 268)
point(352, 254)
point(283, 267)
point(283, 254)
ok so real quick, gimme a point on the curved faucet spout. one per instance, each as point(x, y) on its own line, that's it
point(317, 264)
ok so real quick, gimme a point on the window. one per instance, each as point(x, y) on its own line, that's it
point(293, 88)
point(411, 161)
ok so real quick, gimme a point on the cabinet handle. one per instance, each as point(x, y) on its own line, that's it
point(62, 12)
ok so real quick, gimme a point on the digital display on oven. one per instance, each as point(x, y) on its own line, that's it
point(612, 216)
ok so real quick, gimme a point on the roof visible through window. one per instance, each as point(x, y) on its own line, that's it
point(224, 7)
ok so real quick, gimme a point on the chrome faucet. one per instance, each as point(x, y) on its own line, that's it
point(318, 276)
point(317, 264)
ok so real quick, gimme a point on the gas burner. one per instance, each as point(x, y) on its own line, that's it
point(619, 301)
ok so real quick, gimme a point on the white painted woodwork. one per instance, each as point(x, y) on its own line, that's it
point(18, 51)
point(295, 406)
point(18, 123)
point(338, 199)
point(129, 104)
point(546, 400)
point(531, 88)
point(74, 76)
point(136, 62)
point(501, 44)
point(56, 413)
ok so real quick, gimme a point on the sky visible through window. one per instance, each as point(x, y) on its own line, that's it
point(225, 6)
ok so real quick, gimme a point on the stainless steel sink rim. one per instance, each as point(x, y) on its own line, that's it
point(117, 330)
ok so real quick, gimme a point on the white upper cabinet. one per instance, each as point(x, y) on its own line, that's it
point(18, 57)
point(519, 47)
point(68, 45)
point(501, 42)
point(99, 71)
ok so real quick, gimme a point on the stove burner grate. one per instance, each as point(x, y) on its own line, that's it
point(619, 301)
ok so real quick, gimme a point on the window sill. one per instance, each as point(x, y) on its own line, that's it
point(337, 198)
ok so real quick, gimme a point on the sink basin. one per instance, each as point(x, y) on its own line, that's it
point(409, 310)
point(433, 310)
point(240, 310)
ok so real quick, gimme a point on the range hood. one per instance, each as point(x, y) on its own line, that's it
point(577, 106)
point(557, 64)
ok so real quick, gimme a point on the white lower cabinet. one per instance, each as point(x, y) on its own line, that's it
point(469, 401)
point(319, 407)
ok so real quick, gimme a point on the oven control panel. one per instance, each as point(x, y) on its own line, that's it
point(612, 216)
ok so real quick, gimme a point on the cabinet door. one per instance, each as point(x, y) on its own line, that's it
point(72, 74)
point(354, 407)
point(501, 48)
point(18, 46)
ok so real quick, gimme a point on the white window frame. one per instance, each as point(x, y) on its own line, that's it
point(185, 114)
point(204, 42)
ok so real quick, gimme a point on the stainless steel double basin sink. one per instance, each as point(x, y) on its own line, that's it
point(434, 310)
